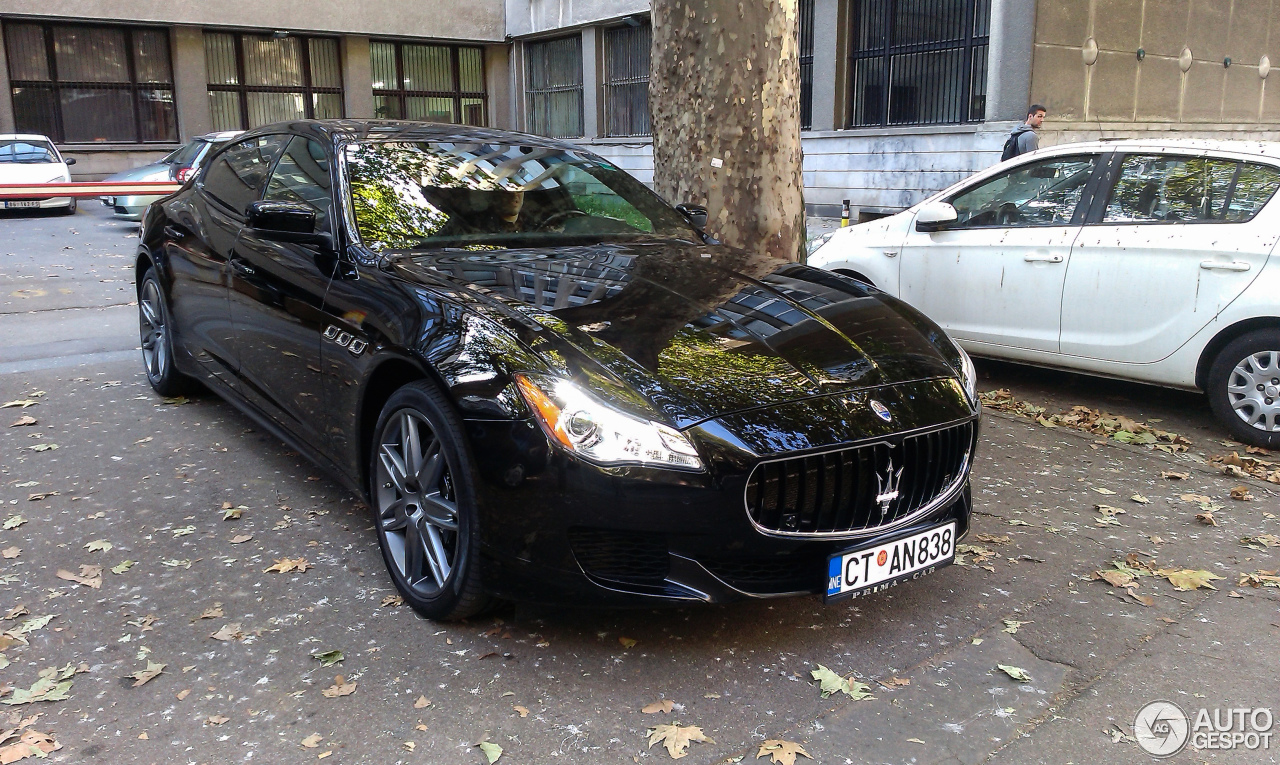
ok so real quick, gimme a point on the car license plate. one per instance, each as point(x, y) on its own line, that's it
point(872, 569)
point(15, 204)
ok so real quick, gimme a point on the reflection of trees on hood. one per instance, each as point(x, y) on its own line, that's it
point(646, 314)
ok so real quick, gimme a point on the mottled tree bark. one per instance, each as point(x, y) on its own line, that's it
point(725, 88)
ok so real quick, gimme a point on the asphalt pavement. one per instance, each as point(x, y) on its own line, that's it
point(172, 532)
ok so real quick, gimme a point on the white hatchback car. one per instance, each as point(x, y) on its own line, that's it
point(33, 159)
point(1143, 260)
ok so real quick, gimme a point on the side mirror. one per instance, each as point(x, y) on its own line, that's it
point(935, 216)
point(287, 222)
point(697, 214)
point(69, 160)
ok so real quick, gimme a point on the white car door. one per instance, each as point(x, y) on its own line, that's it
point(1176, 242)
point(995, 275)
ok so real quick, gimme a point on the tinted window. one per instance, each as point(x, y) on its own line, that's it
point(1161, 188)
point(236, 175)
point(487, 196)
point(26, 152)
point(1255, 185)
point(186, 156)
point(302, 175)
point(1043, 193)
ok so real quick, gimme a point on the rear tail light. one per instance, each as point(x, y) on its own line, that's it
point(183, 174)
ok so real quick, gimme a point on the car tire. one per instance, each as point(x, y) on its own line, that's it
point(422, 490)
point(1244, 377)
point(71, 208)
point(154, 324)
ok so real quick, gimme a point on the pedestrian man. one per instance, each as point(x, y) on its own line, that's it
point(1023, 138)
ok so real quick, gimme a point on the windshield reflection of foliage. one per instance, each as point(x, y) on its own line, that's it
point(386, 194)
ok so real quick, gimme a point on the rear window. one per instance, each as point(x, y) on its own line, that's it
point(1161, 188)
point(186, 156)
point(27, 152)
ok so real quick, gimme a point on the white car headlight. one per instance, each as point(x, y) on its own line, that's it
point(599, 433)
point(968, 376)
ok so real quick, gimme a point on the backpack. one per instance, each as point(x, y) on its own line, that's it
point(1011, 143)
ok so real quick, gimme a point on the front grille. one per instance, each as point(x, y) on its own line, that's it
point(620, 556)
point(837, 492)
point(790, 572)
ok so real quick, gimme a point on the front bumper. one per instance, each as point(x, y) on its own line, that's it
point(41, 204)
point(129, 208)
point(556, 529)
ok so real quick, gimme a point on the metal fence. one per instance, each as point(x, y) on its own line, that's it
point(806, 64)
point(626, 83)
point(918, 62)
point(553, 87)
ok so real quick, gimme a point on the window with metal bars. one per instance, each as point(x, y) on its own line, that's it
point(626, 80)
point(435, 83)
point(91, 84)
point(918, 62)
point(553, 87)
point(259, 79)
point(806, 64)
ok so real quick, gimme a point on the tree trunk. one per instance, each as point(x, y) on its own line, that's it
point(724, 92)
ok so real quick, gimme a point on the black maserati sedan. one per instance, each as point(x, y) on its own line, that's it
point(549, 384)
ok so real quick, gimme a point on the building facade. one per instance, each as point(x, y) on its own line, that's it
point(899, 97)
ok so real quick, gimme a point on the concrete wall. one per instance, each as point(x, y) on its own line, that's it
point(449, 19)
point(1086, 66)
point(526, 17)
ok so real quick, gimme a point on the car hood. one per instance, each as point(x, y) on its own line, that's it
point(35, 172)
point(699, 331)
point(157, 171)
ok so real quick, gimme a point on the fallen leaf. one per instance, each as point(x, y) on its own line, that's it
point(421, 703)
point(1174, 476)
point(175, 400)
point(216, 720)
point(99, 545)
point(43, 447)
point(1207, 518)
point(492, 751)
point(30, 743)
point(1103, 490)
point(661, 705)
point(1241, 494)
point(312, 741)
point(182, 694)
point(627, 642)
point(287, 565)
point(1109, 510)
point(15, 612)
point(409, 746)
point(232, 513)
point(184, 531)
point(23, 403)
point(781, 752)
point(1017, 522)
point(122, 566)
point(995, 539)
point(522, 711)
point(392, 601)
point(832, 683)
point(241, 538)
point(340, 687)
point(1115, 577)
point(177, 562)
point(1256, 579)
point(13, 522)
point(1011, 626)
point(1198, 499)
point(143, 676)
point(1188, 579)
point(1260, 542)
point(90, 576)
point(228, 632)
point(22, 421)
point(1017, 673)
point(54, 685)
point(676, 738)
point(11, 552)
point(212, 612)
point(328, 658)
point(1145, 600)
point(1141, 500)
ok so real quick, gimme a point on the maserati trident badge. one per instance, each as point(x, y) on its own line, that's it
point(887, 487)
point(881, 410)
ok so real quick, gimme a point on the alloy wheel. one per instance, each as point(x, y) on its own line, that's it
point(1253, 389)
point(155, 346)
point(417, 506)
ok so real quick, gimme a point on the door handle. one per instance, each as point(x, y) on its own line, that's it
point(241, 267)
point(890, 253)
point(1217, 265)
point(1042, 258)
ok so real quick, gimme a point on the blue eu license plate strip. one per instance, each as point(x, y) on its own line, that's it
point(880, 566)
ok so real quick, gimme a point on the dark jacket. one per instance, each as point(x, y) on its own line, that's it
point(1024, 139)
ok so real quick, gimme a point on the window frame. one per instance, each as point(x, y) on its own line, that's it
point(55, 86)
point(307, 89)
point(529, 91)
point(402, 95)
point(330, 219)
point(1098, 211)
point(222, 204)
point(974, 49)
point(1085, 205)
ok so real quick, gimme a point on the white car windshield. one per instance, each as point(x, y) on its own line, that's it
point(27, 152)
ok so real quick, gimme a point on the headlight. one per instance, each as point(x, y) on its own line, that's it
point(817, 242)
point(968, 376)
point(597, 432)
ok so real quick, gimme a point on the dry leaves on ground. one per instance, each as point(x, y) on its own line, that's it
point(228, 632)
point(328, 658)
point(1174, 475)
point(23, 421)
point(1241, 494)
point(289, 565)
point(1261, 542)
point(1260, 579)
point(663, 706)
point(13, 522)
point(241, 538)
point(11, 552)
point(1206, 517)
point(421, 703)
point(90, 576)
point(143, 676)
point(1114, 426)
point(392, 601)
point(23, 741)
point(212, 612)
point(99, 545)
point(340, 687)
point(312, 741)
point(676, 738)
point(54, 685)
point(1017, 673)
point(1011, 626)
point(1188, 579)
point(216, 720)
point(1242, 467)
point(831, 683)
point(490, 750)
point(781, 752)
point(122, 566)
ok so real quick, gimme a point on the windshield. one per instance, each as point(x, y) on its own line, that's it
point(419, 195)
point(27, 152)
point(186, 156)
